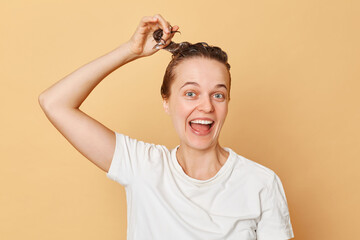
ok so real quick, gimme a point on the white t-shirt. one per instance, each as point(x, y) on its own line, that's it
point(243, 201)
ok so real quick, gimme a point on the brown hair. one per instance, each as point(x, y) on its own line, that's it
point(186, 50)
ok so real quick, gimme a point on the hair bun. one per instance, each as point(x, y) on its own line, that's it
point(157, 35)
point(186, 49)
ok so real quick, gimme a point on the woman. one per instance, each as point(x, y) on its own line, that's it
point(198, 190)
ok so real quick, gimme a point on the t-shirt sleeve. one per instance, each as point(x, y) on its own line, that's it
point(129, 157)
point(274, 223)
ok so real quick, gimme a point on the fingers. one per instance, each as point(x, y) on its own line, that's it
point(164, 25)
point(165, 42)
point(173, 31)
point(147, 19)
point(155, 22)
point(143, 27)
point(175, 28)
point(167, 29)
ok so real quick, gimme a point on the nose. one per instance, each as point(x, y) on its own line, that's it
point(205, 104)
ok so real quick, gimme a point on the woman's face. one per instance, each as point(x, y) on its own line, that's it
point(198, 102)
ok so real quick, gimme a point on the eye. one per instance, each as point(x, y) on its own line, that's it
point(219, 95)
point(190, 94)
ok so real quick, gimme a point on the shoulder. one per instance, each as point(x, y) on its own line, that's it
point(250, 170)
point(141, 148)
point(132, 158)
point(122, 137)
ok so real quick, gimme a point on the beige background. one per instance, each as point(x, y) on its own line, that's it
point(294, 107)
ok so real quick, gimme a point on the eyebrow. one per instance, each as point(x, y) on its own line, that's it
point(196, 84)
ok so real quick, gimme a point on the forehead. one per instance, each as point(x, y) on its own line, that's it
point(206, 72)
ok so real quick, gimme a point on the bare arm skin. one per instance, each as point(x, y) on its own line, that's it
point(61, 101)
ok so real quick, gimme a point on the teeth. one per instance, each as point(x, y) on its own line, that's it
point(202, 121)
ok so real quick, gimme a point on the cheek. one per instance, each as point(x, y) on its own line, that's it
point(181, 112)
point(182, 109)
point(222, 111)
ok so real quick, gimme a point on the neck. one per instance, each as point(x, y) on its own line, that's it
point(201, 164)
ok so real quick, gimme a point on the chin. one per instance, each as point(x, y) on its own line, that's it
point(201, 144)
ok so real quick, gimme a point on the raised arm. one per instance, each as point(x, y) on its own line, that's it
point(61, 101)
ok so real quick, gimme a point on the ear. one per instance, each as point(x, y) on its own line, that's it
point(166, 105)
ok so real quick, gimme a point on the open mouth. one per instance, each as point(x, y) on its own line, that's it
point(201, 127)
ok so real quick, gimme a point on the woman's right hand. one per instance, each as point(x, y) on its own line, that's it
point(142, 42)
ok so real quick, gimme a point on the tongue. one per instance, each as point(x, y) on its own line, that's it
point(200, 127)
